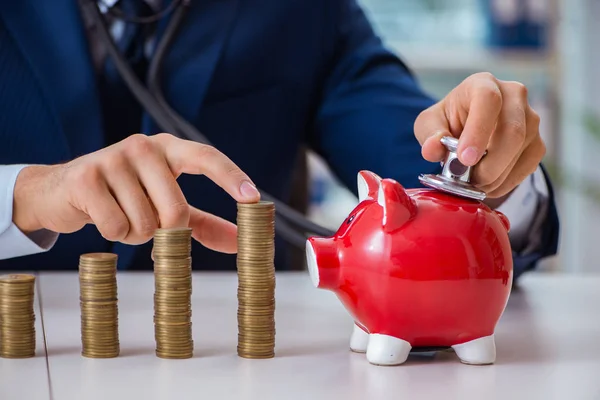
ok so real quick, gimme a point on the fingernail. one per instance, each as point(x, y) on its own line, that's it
point(440, 134)
point(435, 137)
point(469, 156)
point(248, 190)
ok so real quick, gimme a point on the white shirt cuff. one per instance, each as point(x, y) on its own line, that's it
point(13, 242)
point(524, 209)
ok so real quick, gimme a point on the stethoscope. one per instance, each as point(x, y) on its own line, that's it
point(290, 224)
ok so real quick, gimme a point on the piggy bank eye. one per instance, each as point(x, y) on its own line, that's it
point(350, 219)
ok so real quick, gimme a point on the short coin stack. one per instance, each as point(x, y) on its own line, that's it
point(17, 318)
point(98, 301)
point(256, 280)
point(173, 292)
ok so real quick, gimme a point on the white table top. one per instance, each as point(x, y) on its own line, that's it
point(548, 344)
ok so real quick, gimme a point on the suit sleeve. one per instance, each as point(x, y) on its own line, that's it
point(13, 242)
point(366, 117)
point(370, 103)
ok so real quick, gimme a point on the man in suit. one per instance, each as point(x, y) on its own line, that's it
point(260, 79)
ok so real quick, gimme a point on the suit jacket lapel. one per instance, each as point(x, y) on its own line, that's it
point(52, 38)
point(194, 54)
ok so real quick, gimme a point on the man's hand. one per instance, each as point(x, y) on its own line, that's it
point(128, 190)
point(486, 114)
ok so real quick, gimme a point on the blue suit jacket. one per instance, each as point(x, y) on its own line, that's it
point(259, 78)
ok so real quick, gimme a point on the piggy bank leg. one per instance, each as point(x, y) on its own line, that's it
point(359, 340)
point(480, 351)
point(387, 350)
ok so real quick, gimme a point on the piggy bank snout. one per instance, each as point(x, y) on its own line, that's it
point(322, 262)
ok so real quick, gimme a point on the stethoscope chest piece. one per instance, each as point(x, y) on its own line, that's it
point(455, 176)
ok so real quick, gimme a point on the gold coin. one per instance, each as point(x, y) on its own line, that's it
point(257, 205)
point(256, 280)
point(249, 311)
point(256, 290)
point(15, 279)
point(256, 299)
point(99, 355)
point(172, 293)
point(254, 263)
point(256, 346)
point(248, 352)
point(99, 323)
point(255, 356)
point(172, 337)
point(174, 356)
point(98, 258)
point(17, 317)
point(264, 336)
point(17, 355)
point(246, 277)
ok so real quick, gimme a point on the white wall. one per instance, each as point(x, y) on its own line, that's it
point(579, 34)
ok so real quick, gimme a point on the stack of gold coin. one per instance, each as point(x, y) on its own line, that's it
point(17, 318)
point(173, 293)
point(256, 280)
point(98, 301)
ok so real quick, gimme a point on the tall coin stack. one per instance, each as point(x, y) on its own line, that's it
point(17, 318)
point(98, 301)
point(173, 293)
point(256, 280)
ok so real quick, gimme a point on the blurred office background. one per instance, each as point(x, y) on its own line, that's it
point(553, 47)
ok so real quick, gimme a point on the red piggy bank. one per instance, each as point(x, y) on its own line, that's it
point(417, 268)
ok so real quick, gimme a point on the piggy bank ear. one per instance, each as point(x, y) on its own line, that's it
point(398, 207)
point(368, 185)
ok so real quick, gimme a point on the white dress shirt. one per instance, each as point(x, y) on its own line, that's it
point(13, 243)
point(525, 209)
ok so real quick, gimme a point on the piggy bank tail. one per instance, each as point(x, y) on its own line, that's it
point(504, 220)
